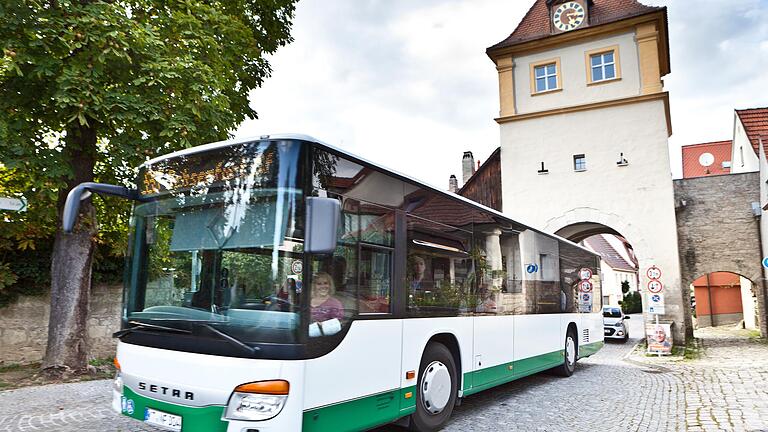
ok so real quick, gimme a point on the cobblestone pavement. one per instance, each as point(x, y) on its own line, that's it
point(724, 390)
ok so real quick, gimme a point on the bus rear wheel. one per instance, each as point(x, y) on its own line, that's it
point(437, 389)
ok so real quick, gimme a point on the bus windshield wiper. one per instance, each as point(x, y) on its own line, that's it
point(138, 325)
point(249, 349)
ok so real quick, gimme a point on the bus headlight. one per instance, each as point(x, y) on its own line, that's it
point(117, 384)
point(256, 401)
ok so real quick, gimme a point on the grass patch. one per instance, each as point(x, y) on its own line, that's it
point(100, 362)
point(10, 367)
point(693, 349)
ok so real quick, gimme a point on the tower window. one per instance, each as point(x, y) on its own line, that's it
point(579, 162)
point(545, 76)
point(603, 65)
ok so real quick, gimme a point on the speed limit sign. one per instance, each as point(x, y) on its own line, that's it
point(655, 286)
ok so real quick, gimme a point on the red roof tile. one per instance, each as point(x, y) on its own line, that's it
point(755, 123)
point(721, 150)
point(600, 245)
point(535, 24)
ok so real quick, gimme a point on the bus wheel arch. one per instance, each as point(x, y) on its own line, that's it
point(452, 343)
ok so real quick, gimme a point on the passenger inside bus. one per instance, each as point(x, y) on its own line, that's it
point(324, 306)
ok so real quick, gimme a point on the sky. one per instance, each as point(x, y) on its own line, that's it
point(407, 84)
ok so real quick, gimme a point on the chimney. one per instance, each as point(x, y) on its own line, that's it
point(467, 166)
point(453, 184)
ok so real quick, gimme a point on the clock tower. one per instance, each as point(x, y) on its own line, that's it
point(585, 122)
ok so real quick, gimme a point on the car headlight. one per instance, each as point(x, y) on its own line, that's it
point(619, 324)
point(257, 401)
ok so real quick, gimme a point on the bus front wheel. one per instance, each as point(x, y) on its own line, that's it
point(437, 389)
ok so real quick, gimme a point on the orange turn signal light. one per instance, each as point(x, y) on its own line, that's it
point(276, 387)
point(116, 363)
point(410, 375)
point(409, 395)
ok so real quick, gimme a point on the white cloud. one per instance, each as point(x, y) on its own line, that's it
point(408, 85)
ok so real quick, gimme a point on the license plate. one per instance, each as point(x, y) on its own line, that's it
point(164, 420)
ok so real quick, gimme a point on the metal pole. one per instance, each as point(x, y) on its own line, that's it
point(711, 312)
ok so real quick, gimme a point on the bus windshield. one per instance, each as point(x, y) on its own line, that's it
point(217, 248)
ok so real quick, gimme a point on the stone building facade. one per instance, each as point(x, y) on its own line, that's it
point(718, 230)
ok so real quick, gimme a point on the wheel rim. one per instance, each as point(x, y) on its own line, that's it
point(570, 351)
point(435, 387)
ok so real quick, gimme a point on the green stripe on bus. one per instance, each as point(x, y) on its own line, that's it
point(362, 413)
point(589, 349)
point(193, 419)
point(501, 374)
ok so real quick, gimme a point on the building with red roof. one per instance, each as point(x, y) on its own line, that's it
point(713, 158)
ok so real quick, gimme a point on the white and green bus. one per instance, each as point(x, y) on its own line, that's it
point(280, 284)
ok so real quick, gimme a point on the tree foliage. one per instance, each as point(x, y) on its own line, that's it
point(147, 76)
point(90, 89)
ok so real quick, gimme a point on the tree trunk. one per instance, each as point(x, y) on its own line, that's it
point(67, 350)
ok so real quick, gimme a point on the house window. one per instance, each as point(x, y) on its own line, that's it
point(579, 162)
point(545, 76)
point(603, 65)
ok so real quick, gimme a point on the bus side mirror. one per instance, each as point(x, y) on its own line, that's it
point(322, 225)
point(83, 191)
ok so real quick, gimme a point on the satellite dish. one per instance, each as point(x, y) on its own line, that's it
point(706, 159)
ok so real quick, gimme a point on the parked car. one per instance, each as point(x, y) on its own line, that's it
point(614, 325)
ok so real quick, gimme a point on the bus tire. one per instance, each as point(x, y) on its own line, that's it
point(570, 353)
point(436, 389)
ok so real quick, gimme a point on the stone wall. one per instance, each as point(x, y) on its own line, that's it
point(717, 230)
point(24, 326)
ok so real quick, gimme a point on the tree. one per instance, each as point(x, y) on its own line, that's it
point(624, 287)
point(91, 88)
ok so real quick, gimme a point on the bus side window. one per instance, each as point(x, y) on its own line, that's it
point(375, 290)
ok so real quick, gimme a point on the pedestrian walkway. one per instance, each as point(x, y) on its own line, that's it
point(727, 387)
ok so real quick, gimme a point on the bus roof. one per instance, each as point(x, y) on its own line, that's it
point(307, 138)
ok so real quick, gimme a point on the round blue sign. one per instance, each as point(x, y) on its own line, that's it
point(765, 262)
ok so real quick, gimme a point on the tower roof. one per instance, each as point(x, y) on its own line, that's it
point(535, 24)
point(755, 121)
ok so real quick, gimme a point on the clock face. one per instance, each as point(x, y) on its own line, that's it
point(568, 16)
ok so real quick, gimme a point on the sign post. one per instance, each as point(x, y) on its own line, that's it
point(13, 204)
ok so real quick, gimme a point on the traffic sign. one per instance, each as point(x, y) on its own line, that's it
point(656, 309)
point(585, 286)
point(13, 204)
point(655, 286)
point(585, 274)
point(653, 273)
point(296, 267)
point(765, 262)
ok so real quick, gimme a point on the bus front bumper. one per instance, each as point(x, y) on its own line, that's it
point(153, 384)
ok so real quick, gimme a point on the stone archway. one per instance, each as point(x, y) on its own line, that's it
point(582, 222)
point(714, 289)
